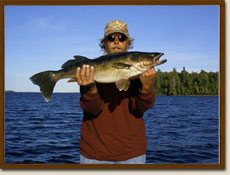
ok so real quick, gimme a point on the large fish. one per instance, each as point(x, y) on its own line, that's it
point(117, 67)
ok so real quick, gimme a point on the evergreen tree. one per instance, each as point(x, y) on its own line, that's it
point(185, 83)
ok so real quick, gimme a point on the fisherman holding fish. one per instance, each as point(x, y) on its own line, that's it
point(116, 89)
point(113, 128)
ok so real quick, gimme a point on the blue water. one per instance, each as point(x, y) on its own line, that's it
point(179, 129)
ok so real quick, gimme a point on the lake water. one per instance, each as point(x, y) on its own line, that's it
point(179, 129)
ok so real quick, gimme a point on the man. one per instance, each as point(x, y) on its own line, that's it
point(113, 129)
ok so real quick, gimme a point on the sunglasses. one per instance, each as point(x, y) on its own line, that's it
point(121, 37)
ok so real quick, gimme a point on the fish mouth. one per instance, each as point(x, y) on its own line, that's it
point(156, 59)
point(156, 56)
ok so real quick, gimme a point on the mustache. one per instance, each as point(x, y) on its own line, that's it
point(116, 46)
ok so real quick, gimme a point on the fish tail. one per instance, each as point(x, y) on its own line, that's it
point(46, 81)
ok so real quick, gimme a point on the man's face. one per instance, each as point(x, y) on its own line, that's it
point(116, 42)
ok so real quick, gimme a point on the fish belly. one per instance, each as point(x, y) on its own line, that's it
point(112, 76)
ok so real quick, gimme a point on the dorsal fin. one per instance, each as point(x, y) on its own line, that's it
point(77, 59)
point(80, 58)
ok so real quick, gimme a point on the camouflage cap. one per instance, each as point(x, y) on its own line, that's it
point(116, 26)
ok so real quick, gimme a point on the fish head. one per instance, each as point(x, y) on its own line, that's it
point(145, 60)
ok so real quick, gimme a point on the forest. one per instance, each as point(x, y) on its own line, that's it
point(185, 83)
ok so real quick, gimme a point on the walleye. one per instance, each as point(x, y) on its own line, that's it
point(113, 68)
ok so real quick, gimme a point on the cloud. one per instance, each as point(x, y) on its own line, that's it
point(46, 23)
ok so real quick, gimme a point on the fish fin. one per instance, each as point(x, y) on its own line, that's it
point(123, 84)
point(72, 80)
point(75, 61)
point(46, 82)
point(68, 63)
point(121, 66)
point(80, 58)
point(160, 62)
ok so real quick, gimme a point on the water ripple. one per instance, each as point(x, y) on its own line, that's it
point(179, 130)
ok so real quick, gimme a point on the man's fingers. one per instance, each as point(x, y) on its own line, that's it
point(87, 73)
point(152, 70)
point(77, 75)
point(82, 73)
point(146, 73)
point(149, 72)
point(91, 78)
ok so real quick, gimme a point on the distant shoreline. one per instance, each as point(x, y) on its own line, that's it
point(11, 91)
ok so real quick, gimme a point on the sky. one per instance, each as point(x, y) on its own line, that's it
point(40, 38)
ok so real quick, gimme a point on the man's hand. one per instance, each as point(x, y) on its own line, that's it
point(147, 79)
point(85, 76)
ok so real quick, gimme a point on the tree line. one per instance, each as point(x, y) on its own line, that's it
point(185, 83)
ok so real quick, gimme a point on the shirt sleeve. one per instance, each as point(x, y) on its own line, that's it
point(141, 102)
point(91, 103)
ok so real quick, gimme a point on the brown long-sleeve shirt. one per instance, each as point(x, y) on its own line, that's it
point(113, 127)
